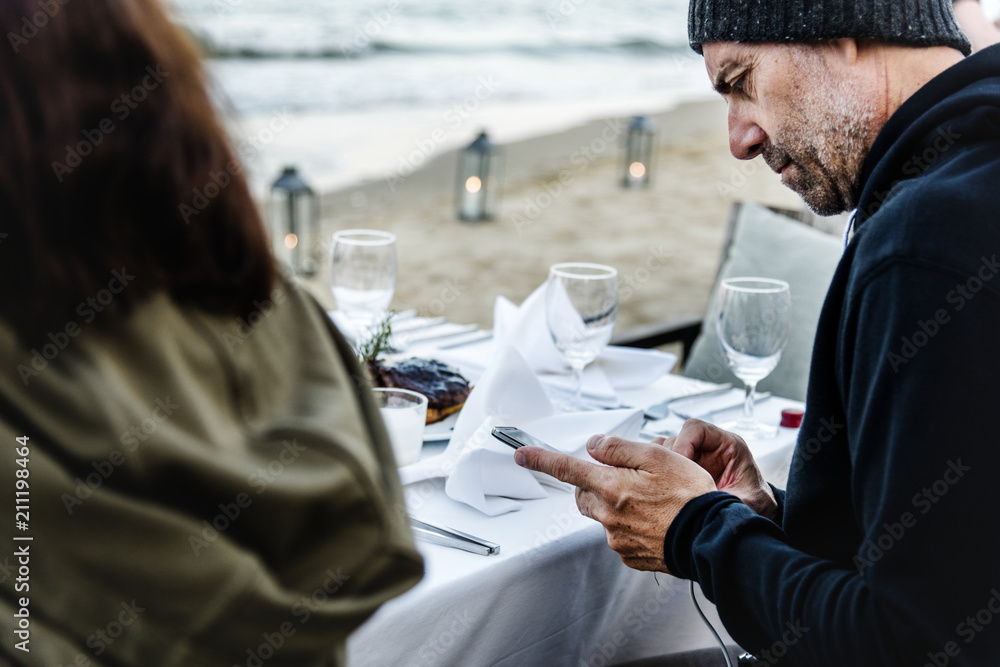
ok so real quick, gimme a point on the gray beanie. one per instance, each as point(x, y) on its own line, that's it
point(910, 22)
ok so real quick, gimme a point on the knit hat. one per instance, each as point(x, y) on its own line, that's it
point(910, 22)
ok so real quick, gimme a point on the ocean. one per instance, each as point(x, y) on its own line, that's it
point(357, 83)
point(392, 70)
point(363, 54)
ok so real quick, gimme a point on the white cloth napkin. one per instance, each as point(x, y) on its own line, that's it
point(524, 328)
point(480, 469)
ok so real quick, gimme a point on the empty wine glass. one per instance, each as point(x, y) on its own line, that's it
point(363, 276)
point(753, 330)
point(581, 305)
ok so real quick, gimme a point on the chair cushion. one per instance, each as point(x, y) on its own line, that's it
point(768, 245)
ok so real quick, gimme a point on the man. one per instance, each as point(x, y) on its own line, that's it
point(882, 551)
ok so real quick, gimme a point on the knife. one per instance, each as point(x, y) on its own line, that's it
point(449, 537)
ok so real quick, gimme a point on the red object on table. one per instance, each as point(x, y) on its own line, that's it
point(791, 418)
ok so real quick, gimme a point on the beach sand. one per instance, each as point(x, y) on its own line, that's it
point(562, 201)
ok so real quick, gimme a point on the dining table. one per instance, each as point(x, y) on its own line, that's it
point(554, 594)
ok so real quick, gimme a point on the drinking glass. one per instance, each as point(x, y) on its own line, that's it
point(404, 413)
point(363, 276)
point(753, 330)
point(581, 305)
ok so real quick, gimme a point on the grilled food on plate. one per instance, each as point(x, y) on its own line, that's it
point(445, 388)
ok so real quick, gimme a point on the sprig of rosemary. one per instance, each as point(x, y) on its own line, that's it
point(378, 343)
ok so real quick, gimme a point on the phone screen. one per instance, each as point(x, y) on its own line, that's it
point(516, 438)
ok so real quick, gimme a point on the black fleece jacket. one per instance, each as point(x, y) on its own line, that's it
point(888, 548)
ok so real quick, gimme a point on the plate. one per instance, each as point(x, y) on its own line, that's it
point(442, 430)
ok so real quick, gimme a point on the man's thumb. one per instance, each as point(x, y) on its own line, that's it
point(617, 452)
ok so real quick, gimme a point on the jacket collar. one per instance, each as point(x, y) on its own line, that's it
point(902, 147)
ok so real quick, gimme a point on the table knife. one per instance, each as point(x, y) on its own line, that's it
point(449, 537)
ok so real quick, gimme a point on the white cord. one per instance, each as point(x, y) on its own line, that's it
point(722, 644)
point(849, 229)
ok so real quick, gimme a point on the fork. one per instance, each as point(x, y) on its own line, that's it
point(707, 416)
point(662, 410)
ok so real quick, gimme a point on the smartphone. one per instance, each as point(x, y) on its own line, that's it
point(517, 438)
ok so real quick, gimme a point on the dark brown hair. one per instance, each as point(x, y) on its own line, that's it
point(112, 157)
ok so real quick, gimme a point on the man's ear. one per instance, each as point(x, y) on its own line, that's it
point(845, 50)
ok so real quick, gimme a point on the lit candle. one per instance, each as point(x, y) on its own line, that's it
point(292, 252)
point(472, 195)
point(636, 174)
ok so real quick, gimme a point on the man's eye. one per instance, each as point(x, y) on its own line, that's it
point(739, 83)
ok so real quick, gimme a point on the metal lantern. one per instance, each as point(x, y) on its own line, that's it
point(478, 180)
point(639, 152)
point(295, 223)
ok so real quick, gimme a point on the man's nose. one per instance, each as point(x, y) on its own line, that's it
point(746, 138)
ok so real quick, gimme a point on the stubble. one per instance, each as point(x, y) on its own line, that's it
point(827, 136)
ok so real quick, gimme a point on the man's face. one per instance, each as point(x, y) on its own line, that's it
point(809, 118)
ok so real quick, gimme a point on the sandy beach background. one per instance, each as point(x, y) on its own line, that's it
point(562, 201)
point(373, 100)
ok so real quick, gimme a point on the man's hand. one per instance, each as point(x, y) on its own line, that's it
point(728, 460)
point(636, 500)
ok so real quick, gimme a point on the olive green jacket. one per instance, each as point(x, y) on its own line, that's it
point(201, 490)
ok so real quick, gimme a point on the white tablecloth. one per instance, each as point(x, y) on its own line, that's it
point(555, 595)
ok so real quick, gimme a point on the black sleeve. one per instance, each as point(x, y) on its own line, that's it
point(922, 388)
point(779, 496)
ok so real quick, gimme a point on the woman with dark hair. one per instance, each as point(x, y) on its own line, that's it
point(200, 469)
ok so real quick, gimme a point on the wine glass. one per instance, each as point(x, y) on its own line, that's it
point(363, 276)
point(581, 305)
point(753, 330)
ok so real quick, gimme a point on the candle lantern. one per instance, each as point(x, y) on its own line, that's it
point(639, 152)
point(479, 169)
point(294, 218)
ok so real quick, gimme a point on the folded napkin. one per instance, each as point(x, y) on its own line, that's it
point(480, 469)
point(524, 328)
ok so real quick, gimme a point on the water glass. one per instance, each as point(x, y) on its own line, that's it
point(753, 330)
point(581, 306)
point(404, 413)
point(363, 269)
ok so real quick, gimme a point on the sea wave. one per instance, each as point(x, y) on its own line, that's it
point(354, 48)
